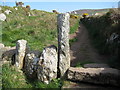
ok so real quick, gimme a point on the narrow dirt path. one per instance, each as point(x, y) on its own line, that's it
point(82, 50)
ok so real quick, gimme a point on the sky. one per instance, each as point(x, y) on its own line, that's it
point(62, 0)
point(65, 5)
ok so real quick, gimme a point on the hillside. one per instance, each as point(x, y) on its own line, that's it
point(89, 11)
point(39, 29)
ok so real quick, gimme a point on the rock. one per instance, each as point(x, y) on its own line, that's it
point(8, 55)
point(8, 12)
point(96, 14)
point(2, 45)
point(31, 63)
point(95, 65)
point(63, 43)
point(16, 8)
point(29, 14)
point(20, 53)
point(2, 17)
point(95, 75)
point(0, 8)
point(47, 68)
point(113, 37)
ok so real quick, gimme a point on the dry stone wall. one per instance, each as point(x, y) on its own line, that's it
point(47, 66)
point(31, 63)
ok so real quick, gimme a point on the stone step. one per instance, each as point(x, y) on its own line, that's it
point(108, 76)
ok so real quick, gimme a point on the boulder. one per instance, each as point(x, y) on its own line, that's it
point(8, 12)
point(113, 37)
point(2, 17)
point(63, 43)
point(21, 47)
point(108, 76)
point(47, 66)
point(29, 14)
point(8, 54)
point(31, 63)
point(16, 8)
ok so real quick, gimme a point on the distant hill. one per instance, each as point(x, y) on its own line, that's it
point(89, 11)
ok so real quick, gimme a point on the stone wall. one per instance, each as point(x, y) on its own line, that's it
point(45, 65)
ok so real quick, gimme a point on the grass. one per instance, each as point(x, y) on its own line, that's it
point(74, 27)
point(39, 30)
point(73, 40)
point(12, 78)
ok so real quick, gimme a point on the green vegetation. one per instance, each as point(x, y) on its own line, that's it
point(39, 30)
point(100, 29)
point(72, 40)
point(74, 27)
point(12, 78)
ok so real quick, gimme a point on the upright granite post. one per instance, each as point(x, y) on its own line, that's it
point(63, 43)
point(20, 53)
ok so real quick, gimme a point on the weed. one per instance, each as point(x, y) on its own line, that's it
point(73, 40)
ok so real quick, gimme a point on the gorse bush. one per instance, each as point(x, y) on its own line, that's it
point(105, 33)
